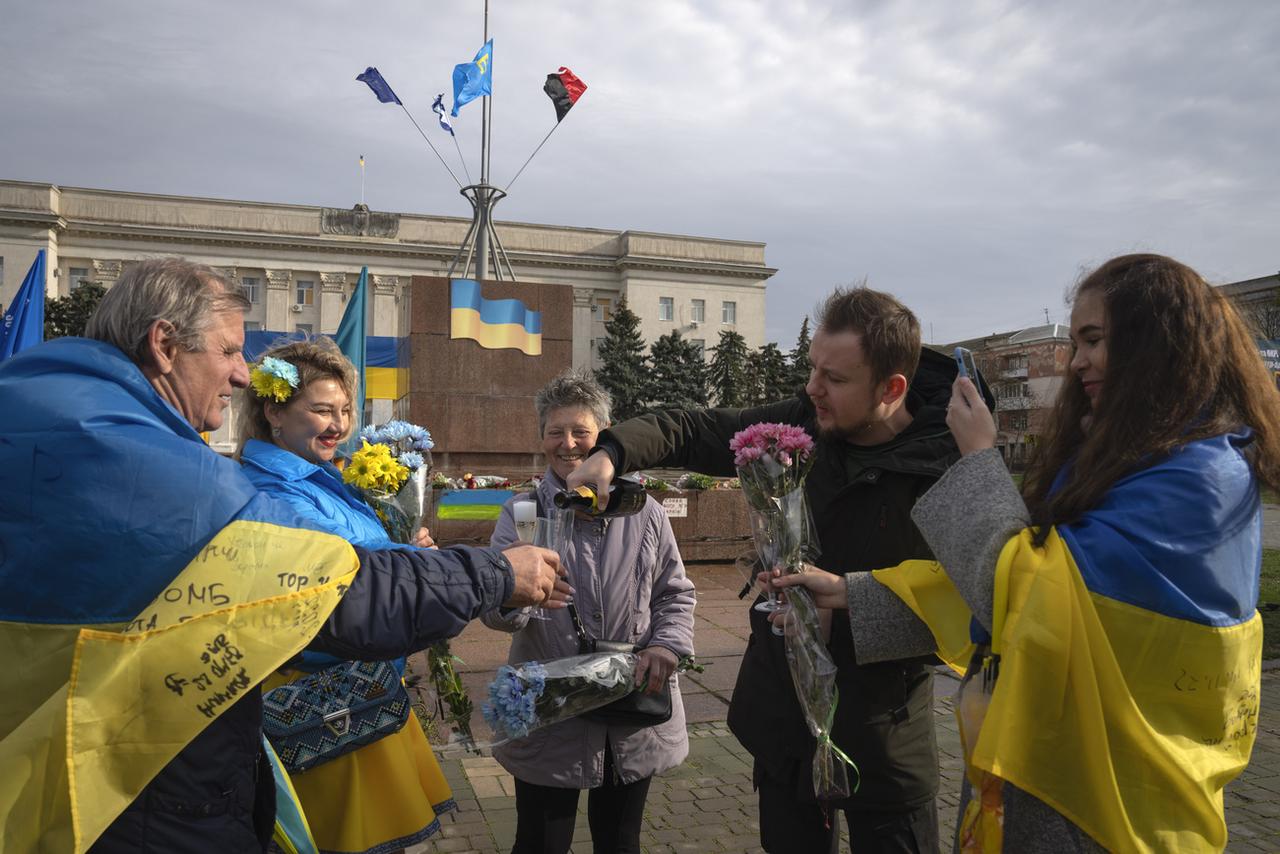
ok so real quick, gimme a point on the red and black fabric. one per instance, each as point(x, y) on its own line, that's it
point(564, 89)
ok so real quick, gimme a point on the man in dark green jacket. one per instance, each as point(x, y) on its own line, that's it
point(877, 403)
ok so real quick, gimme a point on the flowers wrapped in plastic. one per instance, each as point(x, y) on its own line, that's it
point(813, 673)
point(392, 470)
point(533, 695)
point(527, 697)
point(772, 461)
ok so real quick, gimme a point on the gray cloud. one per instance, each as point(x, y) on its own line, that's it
point(972, 158)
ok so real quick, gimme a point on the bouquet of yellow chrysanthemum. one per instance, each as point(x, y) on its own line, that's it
point(392, 470)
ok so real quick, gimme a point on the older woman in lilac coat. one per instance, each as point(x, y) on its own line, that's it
point(630, 586)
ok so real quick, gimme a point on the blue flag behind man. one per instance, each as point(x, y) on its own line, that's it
point(380, 87)
point(350, 338)
point(24, 321)
point(473, 79)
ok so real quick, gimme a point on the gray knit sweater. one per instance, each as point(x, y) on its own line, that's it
point(967, 517)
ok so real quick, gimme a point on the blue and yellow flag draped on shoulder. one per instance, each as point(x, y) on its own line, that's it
point(1129, 649)
point(144, 587)
point(493, 323)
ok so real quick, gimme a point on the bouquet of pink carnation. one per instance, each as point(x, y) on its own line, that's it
point(772, 461)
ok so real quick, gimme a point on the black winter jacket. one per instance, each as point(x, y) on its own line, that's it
point(861, 499)
point(217, 795)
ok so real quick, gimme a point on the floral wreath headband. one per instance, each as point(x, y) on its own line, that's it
point(274, 379)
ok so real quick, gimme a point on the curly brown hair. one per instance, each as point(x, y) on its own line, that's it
point(316, 359)
point(1181, 365)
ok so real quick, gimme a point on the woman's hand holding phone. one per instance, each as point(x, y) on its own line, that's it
point(970, 421)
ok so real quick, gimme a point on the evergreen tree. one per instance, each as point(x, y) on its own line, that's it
point(678, 373)
point(800, 364)
point(770, 375)
point(624, 371)
point(727, 374)
point(70, 314)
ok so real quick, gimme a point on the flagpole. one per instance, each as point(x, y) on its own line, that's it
point(531, 156)
point(361, 179)
point(461, 159)
point(482, 192)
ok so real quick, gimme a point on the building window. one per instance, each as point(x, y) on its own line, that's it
point(251, 285)
point(701, 344)
point(302, 328)
point(253, 326)
point(666, 308)
point(698, 314)
point(306, 292)
point(604, 309)
point(77, 276)
point(728, 312)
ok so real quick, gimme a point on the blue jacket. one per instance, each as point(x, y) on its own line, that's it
point(318, 495)
point(106, 493)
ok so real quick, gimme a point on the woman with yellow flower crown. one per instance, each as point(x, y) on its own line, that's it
point(386, 795)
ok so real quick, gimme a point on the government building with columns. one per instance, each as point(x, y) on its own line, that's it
point(298, 264)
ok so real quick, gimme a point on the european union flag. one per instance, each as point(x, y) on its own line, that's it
point(23, 325)
point(379, 86)
point(473, 79)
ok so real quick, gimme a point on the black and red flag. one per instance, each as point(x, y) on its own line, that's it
point(564, 89)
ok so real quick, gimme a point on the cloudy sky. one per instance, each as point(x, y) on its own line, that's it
point(970, 157)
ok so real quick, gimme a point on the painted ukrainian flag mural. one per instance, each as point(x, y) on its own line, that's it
point(473, 504)
point(494, 324)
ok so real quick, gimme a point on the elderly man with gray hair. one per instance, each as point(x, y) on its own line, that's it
point(146, 587)
point(630, 587)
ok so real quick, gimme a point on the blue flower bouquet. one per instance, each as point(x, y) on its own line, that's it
point(530, 696)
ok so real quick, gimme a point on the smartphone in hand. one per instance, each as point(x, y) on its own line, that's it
point(968, 367)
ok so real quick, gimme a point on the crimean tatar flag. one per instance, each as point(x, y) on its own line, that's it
point(473, 79)
point(495, 324)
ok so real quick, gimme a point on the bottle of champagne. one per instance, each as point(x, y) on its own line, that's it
point(626, 496)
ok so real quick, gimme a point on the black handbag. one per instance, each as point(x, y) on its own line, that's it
point(640, 708)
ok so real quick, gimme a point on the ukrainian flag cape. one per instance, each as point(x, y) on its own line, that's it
point(1129, 648)
point(144, 587)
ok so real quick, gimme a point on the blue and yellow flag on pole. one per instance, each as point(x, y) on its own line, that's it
point(495, 324)
point(473, 79)
point(145, 587)
point(1129, 649)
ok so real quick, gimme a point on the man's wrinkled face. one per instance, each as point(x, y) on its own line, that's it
point(201, 383)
